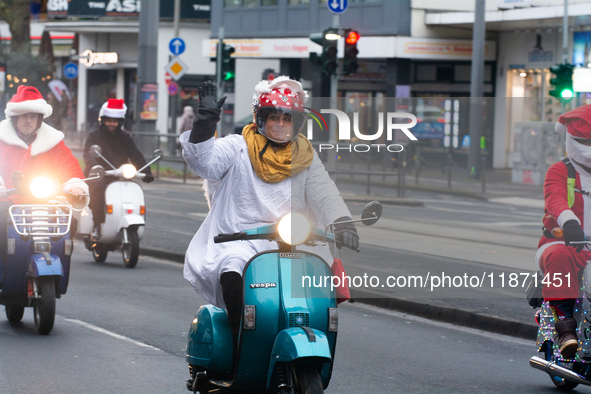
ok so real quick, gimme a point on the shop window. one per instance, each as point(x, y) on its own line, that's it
point(232, 3)
point(299, 2)
point(251, 3)
point(265, 3)
point(445, 74)
point(426, 72)
point(462, 73)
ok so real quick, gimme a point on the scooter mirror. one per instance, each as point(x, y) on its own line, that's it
point(158, 153)
point(95, 151)
point(371, 213)
point(97, 172)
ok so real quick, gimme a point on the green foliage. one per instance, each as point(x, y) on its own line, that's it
point(26, 69)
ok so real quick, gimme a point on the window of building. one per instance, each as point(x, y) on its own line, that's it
point(251, 3)
point(268, 2)
point(299, 2)
point(232, 3)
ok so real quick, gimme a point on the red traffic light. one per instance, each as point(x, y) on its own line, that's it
point(352, 37)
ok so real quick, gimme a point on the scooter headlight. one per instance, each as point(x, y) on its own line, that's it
point(294, 228)
point(128, 171)
point(42, 187)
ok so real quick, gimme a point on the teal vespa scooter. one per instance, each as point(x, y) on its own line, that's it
point(288, 334)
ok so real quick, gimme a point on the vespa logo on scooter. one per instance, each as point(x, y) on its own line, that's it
point(262, 285)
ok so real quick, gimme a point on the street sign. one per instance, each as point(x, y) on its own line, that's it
point(173, 88)
point(177, 68)
point(71, 71)
point(167, 78)
point(176, 46)
point(337, 6)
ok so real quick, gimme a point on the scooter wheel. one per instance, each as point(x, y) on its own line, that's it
point(308, 380)
point(44, 311)
point(14, 314)
point(560, 383)
point(131, 250)
point(99, 252)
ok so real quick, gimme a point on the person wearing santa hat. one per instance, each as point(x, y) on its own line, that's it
point(30, 146)
point(567, 208)
point(118, 148)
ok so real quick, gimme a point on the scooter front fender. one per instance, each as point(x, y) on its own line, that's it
point(295, 343)
point(38, 265)
point(131, 220)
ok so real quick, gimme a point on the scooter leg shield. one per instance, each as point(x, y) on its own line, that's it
point(44, 264)
point(299, 343)
point(209, 343)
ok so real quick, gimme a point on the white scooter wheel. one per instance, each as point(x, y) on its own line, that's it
point(131, 249)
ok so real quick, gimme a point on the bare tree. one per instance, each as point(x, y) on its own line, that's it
point(17, 13)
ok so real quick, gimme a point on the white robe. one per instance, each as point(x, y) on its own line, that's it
point(239, 200)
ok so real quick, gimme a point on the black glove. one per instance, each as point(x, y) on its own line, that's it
point(346, 234)
point(148, 178)
point(208, 114)
point(573, 233)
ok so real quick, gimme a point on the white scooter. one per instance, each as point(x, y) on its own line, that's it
point(125, 213)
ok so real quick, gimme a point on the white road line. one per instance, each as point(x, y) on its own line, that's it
point(520, 201)
point(112, 334)
point(487, 334)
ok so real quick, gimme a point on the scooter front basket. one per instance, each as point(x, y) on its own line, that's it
point(41, 220)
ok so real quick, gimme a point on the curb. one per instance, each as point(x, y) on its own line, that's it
point(440, 313)
point(445, 314)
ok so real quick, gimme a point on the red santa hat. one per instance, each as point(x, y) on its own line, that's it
point(26, 100)
point(113, 108)
point(577, 122)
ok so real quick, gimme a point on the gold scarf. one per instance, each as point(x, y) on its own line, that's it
point(273, 167)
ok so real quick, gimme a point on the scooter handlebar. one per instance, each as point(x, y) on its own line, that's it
point(229, 237)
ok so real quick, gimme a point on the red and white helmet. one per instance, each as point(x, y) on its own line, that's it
point(113, 108)
point(281, 95)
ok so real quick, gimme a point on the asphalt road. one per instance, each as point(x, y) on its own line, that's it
point(120, 330)
point(449, 235)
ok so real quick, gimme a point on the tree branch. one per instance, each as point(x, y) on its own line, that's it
point(6, 12)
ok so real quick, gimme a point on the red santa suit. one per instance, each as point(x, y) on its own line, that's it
point(556, 260)
point(47, 156)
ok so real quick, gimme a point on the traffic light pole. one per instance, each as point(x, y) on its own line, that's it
point(565, 34)
point(219, 62)
point(331, 160)
point(476, 90)
point(172, 100)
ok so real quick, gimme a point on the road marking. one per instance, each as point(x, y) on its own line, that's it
point(506, 338)
point(479, 213)
point(519, 201)
point(515, 224)
point(112, 334)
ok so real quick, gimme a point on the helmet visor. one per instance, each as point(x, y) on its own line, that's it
point(280, 124)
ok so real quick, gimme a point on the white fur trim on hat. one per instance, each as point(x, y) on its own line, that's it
point(560, 128)
point(267, 86)
point(112, 113)
point(39, 106)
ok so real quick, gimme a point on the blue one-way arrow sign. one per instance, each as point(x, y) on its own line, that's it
point(176, 46)
point(337, 6)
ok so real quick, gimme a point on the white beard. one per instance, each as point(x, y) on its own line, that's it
point(578, 152)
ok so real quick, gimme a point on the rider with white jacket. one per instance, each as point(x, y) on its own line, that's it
point(253, 179)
